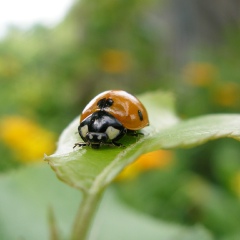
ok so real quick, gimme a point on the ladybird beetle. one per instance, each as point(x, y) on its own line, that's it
point(109, 116)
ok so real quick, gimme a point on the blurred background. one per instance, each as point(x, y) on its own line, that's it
point(57, 57)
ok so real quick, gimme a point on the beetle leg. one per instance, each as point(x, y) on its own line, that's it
point(81, 144)
point(84, 144)
point(117, 144)
point(134, 133)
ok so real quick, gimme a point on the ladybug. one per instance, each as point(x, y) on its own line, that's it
point(109, 116)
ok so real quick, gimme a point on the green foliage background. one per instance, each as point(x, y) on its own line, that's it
point(48, 75)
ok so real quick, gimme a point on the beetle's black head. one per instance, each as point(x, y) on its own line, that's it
point(99, 128)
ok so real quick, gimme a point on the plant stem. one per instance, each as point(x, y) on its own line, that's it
point(52, 224)
point(85, 215)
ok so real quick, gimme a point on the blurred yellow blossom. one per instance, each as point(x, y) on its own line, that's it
point(115, 61)
point(200, 74)
point(9, 67)
point(152, 160)
point(235, 184)
point(25, 138)
point(198, 190)
point(227, 95)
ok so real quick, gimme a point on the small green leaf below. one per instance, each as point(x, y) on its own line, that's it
point(28, 193)
point(117, 221)
point(25, 199)
point(93, 169)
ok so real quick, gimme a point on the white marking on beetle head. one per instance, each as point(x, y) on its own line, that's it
point(99, 137)
point(112, 132)
point(84, 130)
point(90, 136)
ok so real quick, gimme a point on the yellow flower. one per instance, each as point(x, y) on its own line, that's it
point(200, 74)
point(152, 160)
point(25, 138)
point(227, 95)
point(115, 61)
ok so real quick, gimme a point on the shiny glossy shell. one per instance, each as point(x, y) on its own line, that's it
point(123, 106)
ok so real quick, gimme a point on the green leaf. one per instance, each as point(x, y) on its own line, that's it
point(25, 199)
point(117, 221)
point(27, 194)
point(199, 130)
point(92, 170)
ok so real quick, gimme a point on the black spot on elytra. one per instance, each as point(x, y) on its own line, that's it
point(140, 115)
point(105, 103)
